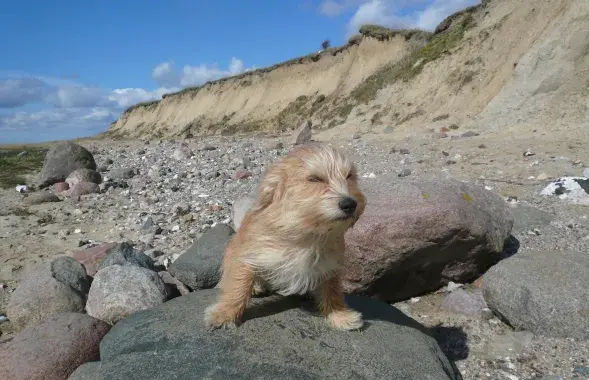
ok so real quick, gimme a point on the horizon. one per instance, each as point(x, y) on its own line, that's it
point(58, 80)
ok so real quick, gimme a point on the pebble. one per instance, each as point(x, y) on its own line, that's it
point(404, 173)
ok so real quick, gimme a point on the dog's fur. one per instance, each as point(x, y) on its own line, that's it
point(292, 239)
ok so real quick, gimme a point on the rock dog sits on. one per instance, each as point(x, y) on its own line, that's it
point(291, 240)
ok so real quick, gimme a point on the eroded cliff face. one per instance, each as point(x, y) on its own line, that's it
point(505, 62)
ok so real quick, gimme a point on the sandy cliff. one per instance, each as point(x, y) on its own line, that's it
point(502, 63)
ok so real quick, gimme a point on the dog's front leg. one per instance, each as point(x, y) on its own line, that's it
point(236, 289)
point(330, 297)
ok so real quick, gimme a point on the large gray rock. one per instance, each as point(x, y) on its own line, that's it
point(68, 271)
point(54, 349)
point(61, 160)
point(124, 254)
point(415, 237)
point(40, 295)
point(281, 338)
point(546, 292)
point(118, 291)
point(198, 267)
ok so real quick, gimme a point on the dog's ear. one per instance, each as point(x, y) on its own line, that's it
point(271, 188)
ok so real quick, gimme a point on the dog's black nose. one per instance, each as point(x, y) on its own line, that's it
point(347, 205)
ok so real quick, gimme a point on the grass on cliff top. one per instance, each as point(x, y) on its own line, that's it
point(382, 34)
point(13, 167)
point(408, 67)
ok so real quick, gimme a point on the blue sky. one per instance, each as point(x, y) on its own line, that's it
point(69, 68)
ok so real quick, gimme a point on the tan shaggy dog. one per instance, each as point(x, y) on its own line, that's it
point(291, 241)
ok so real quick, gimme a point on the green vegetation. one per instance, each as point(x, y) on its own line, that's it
point(383, 34)
point(143, 104)
point(13, 165)
point(412, 64)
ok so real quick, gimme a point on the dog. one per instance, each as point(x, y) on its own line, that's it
point(291, 240)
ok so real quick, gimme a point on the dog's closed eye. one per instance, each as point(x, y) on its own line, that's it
point(314, 178)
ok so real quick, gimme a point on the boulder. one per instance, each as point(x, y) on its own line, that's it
point(83, 175)
point(40, 295)
point(61, 160)
point(82, 188)
point(124, 254)
point(281, 338)
point(118, 291)
point(416, 236)
point(198, 267)
point(92, 257)
point(54, 349)
point(68, 271)
point(545, 292)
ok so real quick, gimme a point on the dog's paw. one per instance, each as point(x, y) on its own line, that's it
point(346, 320)
point(258, 290)
point(215, 318)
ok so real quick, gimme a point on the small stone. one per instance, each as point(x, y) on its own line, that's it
point(404, 173)
point(404, 151)
point(154, 253)
point(469, 134)
point(173, 283)
point(482, 146)
point(83, 175)
point(60, 187)
point(356, 136)
point(487, 314)
point(183, 152)
point(542, 177)
point(303, 134)
point(40, 197)
point(388, 130)
point(187, 218)
point(241, 174)
point(122, 174)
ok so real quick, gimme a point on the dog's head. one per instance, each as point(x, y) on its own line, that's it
point(313, 189)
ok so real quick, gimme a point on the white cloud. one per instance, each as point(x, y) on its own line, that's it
point(74, 96)
point(16, 92)
point(336, 7)
point(431, 17)
point(126, 97)
point(165, 75)
point(197, 75)
point(73, 109)
point(405, 14)
point(100, 114)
